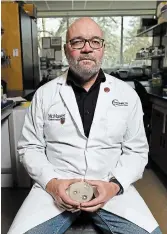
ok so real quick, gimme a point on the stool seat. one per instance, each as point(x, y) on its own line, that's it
point(83, 225)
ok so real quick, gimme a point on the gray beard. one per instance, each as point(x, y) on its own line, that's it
point(84, 74)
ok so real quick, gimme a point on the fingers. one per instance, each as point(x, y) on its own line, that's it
point(74, 211)
point(61, 202)
point(68, 200)
point(65, 206)
point(94, 202)
point(60, 194)
point(63, 194)
point(92, 209)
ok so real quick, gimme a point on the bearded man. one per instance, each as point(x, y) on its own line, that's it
point(84, 127)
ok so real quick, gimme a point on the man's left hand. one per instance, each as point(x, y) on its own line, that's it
point(105, 191)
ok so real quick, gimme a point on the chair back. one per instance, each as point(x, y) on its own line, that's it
point(142, 93)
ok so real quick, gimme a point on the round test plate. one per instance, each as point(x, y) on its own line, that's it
point(80, 191)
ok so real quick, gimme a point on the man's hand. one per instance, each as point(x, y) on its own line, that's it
point(105, 191)
point(57, 188)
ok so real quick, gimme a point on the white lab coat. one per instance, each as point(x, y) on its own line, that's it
point(116, 146)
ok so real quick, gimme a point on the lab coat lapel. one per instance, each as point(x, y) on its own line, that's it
point(103, 101)
point(68, 97)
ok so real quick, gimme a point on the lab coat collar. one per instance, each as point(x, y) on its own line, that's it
point(69, 99)
point(103, 102)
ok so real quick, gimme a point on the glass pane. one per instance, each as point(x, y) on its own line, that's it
point(52, 27)
point(112, 33)
point(133, 44)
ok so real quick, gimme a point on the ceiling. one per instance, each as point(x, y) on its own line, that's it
point(61, 8)
point(93, 8)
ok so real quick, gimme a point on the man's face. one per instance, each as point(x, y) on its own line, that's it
point(84, 62)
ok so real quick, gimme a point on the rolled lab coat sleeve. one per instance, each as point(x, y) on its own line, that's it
point(134, 157)
point(31, 146)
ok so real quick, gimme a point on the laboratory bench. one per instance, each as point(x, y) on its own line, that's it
point(7, 164)
point(158, 125)
point(6, 109)
point(158, 136)
point(12, 172)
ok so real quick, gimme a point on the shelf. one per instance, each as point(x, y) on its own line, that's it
point(151, 57)
point(156, 30)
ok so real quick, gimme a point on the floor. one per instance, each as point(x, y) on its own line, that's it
point(153, 188)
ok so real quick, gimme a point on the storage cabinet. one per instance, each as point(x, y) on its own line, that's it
point(22, 179)
point(157, 123)
point(6, 151)
point(12, 171)
point(158, 141)
point(20, 42)
point(6, 171)
point(5, 146)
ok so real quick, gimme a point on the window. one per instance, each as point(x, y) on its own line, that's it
point(114, 56)
point(52, 27)
point(131, 43)
point(112, 33)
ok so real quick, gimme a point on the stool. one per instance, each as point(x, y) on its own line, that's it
point(83, 225)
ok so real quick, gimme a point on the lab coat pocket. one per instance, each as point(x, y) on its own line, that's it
point(52, 129)
point(57, 128)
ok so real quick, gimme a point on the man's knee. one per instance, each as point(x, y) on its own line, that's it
point(58, 224)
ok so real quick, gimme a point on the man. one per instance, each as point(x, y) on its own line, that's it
point(84, 125)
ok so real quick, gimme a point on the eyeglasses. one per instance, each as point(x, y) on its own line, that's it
point(79, 43)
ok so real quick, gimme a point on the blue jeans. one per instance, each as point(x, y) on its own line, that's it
point(106, 221)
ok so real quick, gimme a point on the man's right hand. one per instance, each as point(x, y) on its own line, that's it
point(57, 188)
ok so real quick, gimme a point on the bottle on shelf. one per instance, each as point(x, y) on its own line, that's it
point(157, 79)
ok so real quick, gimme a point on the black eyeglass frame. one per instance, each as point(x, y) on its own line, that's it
point(86, 40)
